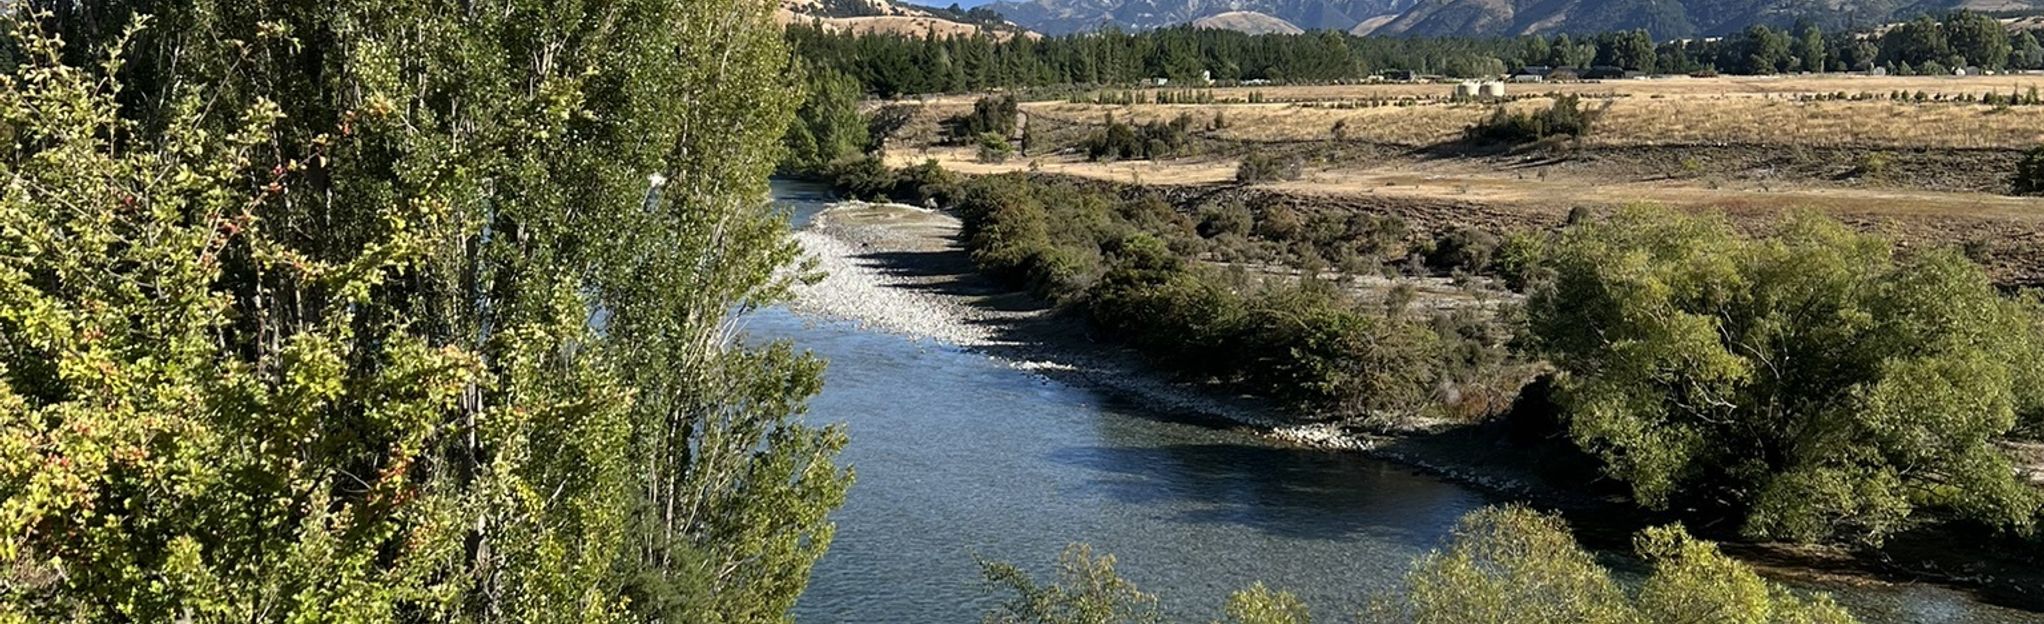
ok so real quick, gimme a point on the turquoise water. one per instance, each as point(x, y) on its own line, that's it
point(960, 456)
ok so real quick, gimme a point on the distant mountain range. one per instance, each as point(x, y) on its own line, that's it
point(892, 17)
point(1066, 16)
point(1248, 22)
point(1663, 18)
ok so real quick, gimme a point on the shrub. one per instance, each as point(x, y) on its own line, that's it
point(1564, 118)
point(1259, 167)
point(990, 115)
point(1815, 382)
point(1120, 141)
point(1511, 564)
point(865, 178)
point(1228, 218)
point(994, 148)
point(828, 127)
point(1503, 564)
point(1464, 249)
point(2029, 178)
point(1087, 591)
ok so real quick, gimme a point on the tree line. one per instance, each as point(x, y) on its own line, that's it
point(891, 65)
point(389, 310)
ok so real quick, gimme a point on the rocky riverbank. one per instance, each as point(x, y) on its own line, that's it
point(901, 269)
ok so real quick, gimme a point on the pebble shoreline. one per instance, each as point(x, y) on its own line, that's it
point(861, 291)
point(858, 291)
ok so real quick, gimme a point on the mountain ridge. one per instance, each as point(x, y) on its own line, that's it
point(1664, 19)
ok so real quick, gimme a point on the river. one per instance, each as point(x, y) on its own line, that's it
point(962, 456)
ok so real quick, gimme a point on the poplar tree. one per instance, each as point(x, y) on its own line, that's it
point(374, 310)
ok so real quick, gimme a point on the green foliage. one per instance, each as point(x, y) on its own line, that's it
point(994, 148)
point(1814, 381)
point(2029, 177)
point(827, 128)
point(1153, 140)
point(1087, 591)
point(990, 115)
point(1512, 565)
point(1692, 581)
point(1260, 167)
point(367, 311)
point(1505, 565)
point(1564, 118)
point(1127, 263)
point(1465, 249)
point(867, 178)
point(1100, 67)
point(1262, 605)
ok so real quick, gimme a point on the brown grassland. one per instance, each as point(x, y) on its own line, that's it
point(1931, 172)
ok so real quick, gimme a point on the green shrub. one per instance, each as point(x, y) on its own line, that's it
point(1815, 383)
point(866, 178)
point(1229, 218)
point(1465, 249)
point(828, 127)
point(1564, 118)
point(2029, 178)
point(1260, 167)
point(1507, 565)
point(994, 148)
point(1153, 140)
point(1511, 564)
point(990, 115)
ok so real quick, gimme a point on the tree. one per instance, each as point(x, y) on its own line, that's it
point(827, 127)
point(1512, 565)
point(1760, 50)
point(1262, 605)
point(1815, 382)
point(2026, 53)
point(2029, 178)
point(378, 311)
point(1634, 51)
point(1505, 565)
point(1087, 591)
point(1918, 41)
point(1692, 581)
point(1810, 48)
point(1980, 39)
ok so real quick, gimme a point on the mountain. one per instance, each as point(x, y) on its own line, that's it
point(891, 17)
point(1067, 16)
point(1665, 19)
point(1247, 22)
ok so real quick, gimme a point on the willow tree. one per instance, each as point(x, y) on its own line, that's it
point(1816, 381)
point(374, 310)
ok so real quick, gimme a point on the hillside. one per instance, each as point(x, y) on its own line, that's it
point(1663, 18)
point(1247, 22)
point(889, 17)
point(1065, 16)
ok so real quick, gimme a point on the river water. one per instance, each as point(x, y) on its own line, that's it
point(960, 456)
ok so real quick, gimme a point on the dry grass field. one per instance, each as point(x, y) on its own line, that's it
point(1752, 147)
point(1728, 110)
